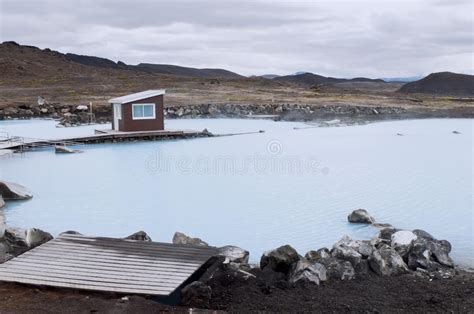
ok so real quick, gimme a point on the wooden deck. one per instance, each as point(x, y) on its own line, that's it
point(107, 264)
point(101, 136)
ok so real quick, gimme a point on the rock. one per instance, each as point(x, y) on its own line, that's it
point(423, 234)
point(440, 251)
point(360, 216)
point(307, 271)
point(181, 238)
point(419, 256)
point(385, 261)
point(456, 132)
point(139, 236)
point(402, 241)
point(70, 232)
point(2, 202)
point(180, 112)
point(82, 108)
point(362, 268)
point(340, 270)
point(13, 191)
point(386, 233)
point(65, 150)
point(35, 237)
point(319, 255)
point(364, 248)
point(279, 259)
point(234, 254)
point(346, 253)
point(196, 294)
point(213, 111)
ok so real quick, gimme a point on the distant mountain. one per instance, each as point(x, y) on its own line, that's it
point(269, 76)
point(310, 79)
point(94, 61)
point(444, 83)
point(402, 79)
point(152, 68)
point(185, 71)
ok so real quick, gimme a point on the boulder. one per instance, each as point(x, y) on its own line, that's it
point(346, 253)
point(423, 234)
point(340, 270)
point(13, 191)
point(360, 216)
point(386, 234)
point(234, 254)
point(319, 255)
point(402, 241)
point(139, 236)
point(196, 294)
point(2, 202)
point(66, 150)
point(419, 256)
point(440, 251)
point(35, 237)
point(385, 261)
point(181, 238)
point(306, 271)
point(280, 259)
point(363, 247)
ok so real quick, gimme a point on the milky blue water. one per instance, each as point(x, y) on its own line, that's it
point(257, 191)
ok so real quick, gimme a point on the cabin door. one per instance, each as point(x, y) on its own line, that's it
point(117, 115)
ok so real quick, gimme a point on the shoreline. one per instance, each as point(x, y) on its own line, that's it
point(69, 115)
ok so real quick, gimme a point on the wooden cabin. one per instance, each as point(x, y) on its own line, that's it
point(138, 112)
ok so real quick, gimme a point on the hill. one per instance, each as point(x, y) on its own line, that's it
point(443, 83)
point(185, 71)
point(309, 79)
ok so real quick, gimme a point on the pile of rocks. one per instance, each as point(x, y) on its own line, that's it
point(73, 115)
point(392, 252)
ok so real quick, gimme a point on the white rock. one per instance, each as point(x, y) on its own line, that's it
point(402, 240)
point(82, 107)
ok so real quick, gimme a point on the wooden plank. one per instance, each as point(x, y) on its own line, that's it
point(65, 254)
point(85, 286)
point(158, 252)
point(113, 274)
point(106, 264)
point(133, 243)
point(99, 279)
point(102, 262)
point(105, 267)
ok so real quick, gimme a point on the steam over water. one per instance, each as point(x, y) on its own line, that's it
point(256, 191)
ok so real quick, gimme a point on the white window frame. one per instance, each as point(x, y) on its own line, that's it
point(143, 118)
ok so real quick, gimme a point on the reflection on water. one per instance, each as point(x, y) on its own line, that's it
point(257, 191)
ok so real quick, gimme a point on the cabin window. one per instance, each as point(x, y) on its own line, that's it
point(143, 111)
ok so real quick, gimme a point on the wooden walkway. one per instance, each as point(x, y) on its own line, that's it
point(107, 264)
point(100, 137)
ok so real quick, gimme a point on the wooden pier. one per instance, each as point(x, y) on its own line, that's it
point(108, 265)
point(100, 136)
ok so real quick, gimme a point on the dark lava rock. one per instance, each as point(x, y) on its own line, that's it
point(234, 254)
point(279, 259)
point(139, 236)
point(360, 216)
point(319, 255)
point(385, 261)
point(340, 270)
point(306, 271)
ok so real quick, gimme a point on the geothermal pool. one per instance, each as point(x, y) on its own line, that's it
point(256, 191)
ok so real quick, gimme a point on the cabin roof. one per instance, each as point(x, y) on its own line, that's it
point(137, 96)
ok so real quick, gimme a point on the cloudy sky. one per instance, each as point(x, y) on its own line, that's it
point(349, 38)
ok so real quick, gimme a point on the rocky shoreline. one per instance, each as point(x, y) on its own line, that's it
point(74, 115)
point(393, 253)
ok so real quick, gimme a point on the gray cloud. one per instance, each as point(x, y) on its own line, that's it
point(338, 38)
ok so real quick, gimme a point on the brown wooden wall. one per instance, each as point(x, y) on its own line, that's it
point(129, 125)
